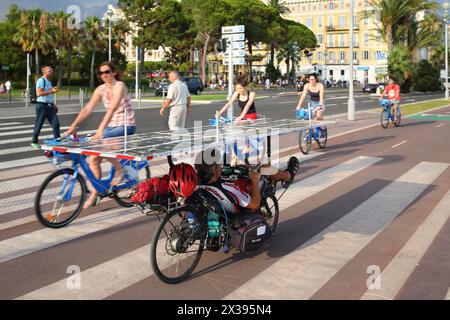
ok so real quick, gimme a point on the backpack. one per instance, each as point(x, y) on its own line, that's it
point(33, 93)
point(149, 190)
point(249, 231)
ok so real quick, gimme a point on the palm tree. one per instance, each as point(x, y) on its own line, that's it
point(281, 9)
point(33, 33)
point(95, 40)
point(60, 34)
point(73, 42)
point(290, 54)
point(394, 18)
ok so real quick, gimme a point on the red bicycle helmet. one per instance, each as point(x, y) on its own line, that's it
point(182, 180)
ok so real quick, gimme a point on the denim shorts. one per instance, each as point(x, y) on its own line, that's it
point(314, 104)
point(110, 132)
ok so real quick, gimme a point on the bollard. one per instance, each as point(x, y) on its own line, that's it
point(9, 95)
point(69, 93)
point(139, 101)
point(81, 98)
point(55, 99)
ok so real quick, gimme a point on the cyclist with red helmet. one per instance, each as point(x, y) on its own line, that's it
point(232, 197)
point(183, 180)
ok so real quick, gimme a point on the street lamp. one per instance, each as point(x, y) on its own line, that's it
point(351, 101)
point(109, 15)
point(446, 48)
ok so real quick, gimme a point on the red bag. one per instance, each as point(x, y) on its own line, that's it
point(148, 190)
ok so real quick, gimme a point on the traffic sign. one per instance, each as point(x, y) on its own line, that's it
point(236, 53)
point(5, 68)
point(381, 55)
point(233, 29)
point(238, 45)
point(234, 36)
point(363, 68)
point(236, 61)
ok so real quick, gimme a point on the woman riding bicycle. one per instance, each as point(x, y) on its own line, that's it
point(316, 92)
point(246, 101)
point(113, 93)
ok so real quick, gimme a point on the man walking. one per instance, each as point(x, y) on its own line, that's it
point(8, 88)
point(179, 100)
point(45, 108)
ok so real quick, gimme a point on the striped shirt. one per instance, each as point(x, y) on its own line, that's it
point(118, 118)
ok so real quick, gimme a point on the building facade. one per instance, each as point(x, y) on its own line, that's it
point(330, 22)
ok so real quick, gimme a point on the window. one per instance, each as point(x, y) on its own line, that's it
point(320, 55)
point(320, 38)
point(331, 6)
point(309, 7)
point(342, 21)
point(298, 7)
point(378, 36)
point(309, 22)
point(330, 21)
point(355, 22)
point(319, 22)
point(342, 72)
point(342, 55)
point(366, 21)
point(319, 7)
point(355, 55)
point(330, 40)
point(355, 40)
point(331, 55)
point(365, 55)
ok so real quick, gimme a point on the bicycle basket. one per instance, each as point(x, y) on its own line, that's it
point(384, 103)
point(222, 120)
point(302, 114)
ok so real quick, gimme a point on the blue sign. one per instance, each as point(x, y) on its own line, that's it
point(381, 55)
point(363, 68)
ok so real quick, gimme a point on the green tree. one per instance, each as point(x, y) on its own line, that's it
point(426, 77)
point(400, 66)
point(32, 33)
point(60, 40)
point(94, 40)
point(276, 30)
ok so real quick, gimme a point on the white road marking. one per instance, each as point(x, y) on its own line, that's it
point(440, 125)
point(399, 144)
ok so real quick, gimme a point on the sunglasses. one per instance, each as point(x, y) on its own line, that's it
point(105, 72)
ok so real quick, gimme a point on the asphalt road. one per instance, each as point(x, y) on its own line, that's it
point(375, 202)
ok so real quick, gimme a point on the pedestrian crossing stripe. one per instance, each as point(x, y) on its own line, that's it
point(352, 231)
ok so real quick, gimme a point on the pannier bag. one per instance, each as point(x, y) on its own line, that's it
point(249, 231)
point(150, 189)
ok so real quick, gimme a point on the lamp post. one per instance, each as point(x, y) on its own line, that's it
point(446, 48)
point(351, 101)
point(109, 15)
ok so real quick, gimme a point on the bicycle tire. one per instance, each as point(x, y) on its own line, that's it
point(323, 137)
point(125, 201)
point(157, 270)
point(42, 216)
point(399, 120)
point(384, 119)
point(270, 211)
point(304, 142)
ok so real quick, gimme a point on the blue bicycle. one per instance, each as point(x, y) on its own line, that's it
point(306, 137)
point(388, 114)
point(61, 196)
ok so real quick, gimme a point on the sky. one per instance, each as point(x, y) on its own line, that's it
point(87, 7)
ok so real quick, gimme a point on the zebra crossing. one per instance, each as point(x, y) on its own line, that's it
point(297, 274)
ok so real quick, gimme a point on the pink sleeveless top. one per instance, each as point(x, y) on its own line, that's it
point(118, 118)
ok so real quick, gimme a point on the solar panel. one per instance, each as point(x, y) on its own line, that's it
point(151, 145)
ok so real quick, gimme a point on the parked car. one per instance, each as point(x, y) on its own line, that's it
point(194, 84)
point(372, 87)
point(160, 88)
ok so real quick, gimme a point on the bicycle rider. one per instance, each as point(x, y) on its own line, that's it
point(316, 91)
point(231, 195)
point(115, 98)
point(392, 90)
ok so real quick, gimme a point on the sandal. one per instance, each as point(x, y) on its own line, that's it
point(119, 176)
point(92, 201)
point(293, 166)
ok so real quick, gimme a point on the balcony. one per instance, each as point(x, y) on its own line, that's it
point(341, 61)
point(341, 28)
point(341, 45)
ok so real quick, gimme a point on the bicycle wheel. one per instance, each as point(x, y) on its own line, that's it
point(123, 196)
point(304, 141)
point(177, 245)
point(323, 136)
point(384, 119)
point(60, 198)
point(270, 210)
point(399, 119)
